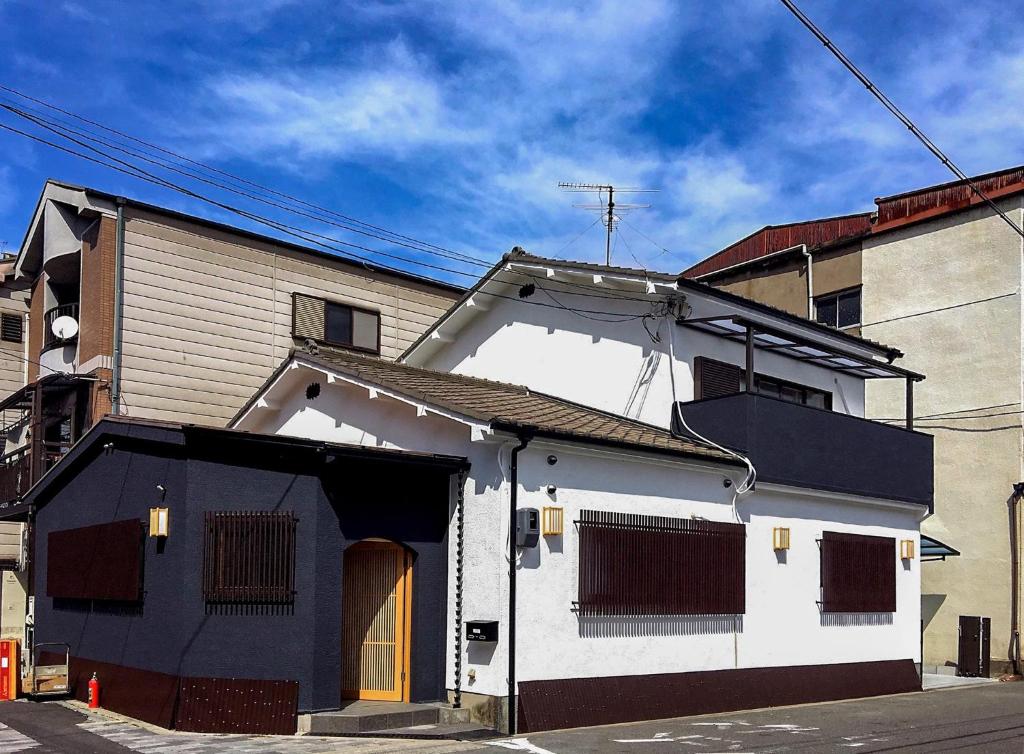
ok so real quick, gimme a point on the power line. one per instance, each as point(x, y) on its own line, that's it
point(892, 108)
point(213, 170)
point(63, 132)
point(298, 233)
point(942, 309)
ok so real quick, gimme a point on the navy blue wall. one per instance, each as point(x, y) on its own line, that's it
point(337, 503)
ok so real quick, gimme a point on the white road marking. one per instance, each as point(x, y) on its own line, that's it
point(12, 741)
point(519, 744)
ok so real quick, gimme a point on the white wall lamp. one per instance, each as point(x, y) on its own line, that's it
point(780, 538)
point(907, 549)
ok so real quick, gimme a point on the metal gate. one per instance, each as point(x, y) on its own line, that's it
point(974, 646)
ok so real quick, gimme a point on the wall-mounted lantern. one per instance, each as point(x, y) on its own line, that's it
point(907, 549)
point(552, 522)
point(159, 522)
point(780, 538)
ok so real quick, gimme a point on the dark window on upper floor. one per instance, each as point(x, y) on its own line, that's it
point(335, 323)
point(637, 565)
point(716, 378)
point(11, 328)
point(858, 573)
point(840, 309)
point(249, 557)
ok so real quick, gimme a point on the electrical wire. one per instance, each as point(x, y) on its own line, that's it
point(213, 170)
point(307, 236)
point(942, 309)
point(748, 483)
point(892, 108)
point(63, 131)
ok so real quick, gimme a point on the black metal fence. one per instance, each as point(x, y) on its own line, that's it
point(249, 557)
point(858, 573)
point(636, 565)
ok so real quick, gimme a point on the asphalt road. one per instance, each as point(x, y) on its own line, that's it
point(987, 718)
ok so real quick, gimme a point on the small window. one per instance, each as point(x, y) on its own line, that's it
point(840, 309)
point(335, 323)
point(635, 565)
point(11, 328)
point(858, 573)
point(249, 557)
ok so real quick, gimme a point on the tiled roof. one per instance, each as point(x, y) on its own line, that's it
point(512, 407)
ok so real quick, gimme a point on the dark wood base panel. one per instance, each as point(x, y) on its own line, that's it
point(578, 702)
point(202, 705)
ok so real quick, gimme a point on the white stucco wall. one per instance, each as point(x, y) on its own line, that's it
point(782, 625)
point(623, 371)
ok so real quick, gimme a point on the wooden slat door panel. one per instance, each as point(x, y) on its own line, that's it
point(375, 621)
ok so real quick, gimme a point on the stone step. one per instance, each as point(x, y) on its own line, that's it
point(361, 717)
point(452, 731)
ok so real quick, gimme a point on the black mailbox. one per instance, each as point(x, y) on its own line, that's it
point(481, 630)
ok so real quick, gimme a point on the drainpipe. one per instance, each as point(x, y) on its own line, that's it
point(810, 280)
point(1014, 653)
point(460, 530)
point(513, 472)
point(115, 380)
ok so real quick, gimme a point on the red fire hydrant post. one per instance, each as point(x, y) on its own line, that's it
point(94, 692)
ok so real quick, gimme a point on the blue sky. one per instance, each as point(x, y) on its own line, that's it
point(453, 122)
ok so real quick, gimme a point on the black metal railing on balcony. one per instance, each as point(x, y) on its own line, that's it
point(50, 338)
point(15, 472)
point(802, 446)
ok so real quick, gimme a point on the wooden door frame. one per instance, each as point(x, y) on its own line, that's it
point(404, 652)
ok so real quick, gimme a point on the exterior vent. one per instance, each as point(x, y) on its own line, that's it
point(11, 326)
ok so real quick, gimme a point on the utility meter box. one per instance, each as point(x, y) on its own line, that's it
point(527, 527)
point(481, 630)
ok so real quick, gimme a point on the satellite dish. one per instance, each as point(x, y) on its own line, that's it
point(65, 327)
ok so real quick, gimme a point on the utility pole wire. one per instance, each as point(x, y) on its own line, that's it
point(891, 107)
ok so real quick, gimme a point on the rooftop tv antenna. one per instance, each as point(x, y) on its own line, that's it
point(607, 209)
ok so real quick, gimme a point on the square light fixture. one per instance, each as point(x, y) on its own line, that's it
point(780, 538)
point(551, 525)
point(159, 522)
point(907, 549)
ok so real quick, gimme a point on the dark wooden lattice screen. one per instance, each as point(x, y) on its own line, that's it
point(249, 557)
point(634, 565)
point(858, 573)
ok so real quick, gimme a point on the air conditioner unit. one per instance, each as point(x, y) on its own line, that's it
point(13, 547)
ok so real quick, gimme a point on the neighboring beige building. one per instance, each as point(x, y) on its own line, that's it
point(940, 274)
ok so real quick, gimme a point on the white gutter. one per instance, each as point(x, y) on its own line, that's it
point(774, 254)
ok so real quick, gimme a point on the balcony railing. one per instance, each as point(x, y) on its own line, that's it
point(801, 446)
point(15, 471)
point(50, 340)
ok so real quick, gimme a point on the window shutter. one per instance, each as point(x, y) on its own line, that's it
point(637, 565)
point(858, 573)
point(307, 317)
point(714, 378)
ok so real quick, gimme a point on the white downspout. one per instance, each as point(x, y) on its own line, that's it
point(810, 280)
